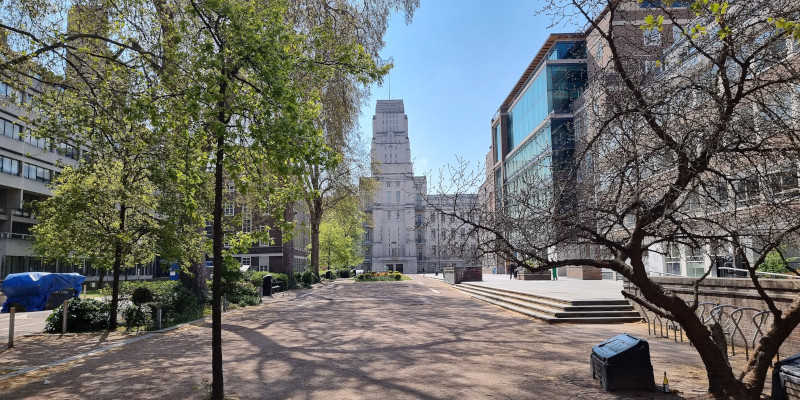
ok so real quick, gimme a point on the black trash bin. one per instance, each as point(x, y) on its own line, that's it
point(328, 274)
point(267, 285)
point(623, 363)
point(786, 379)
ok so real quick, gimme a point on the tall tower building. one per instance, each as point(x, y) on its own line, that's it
point(392, 243)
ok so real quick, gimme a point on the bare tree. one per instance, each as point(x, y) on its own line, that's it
point(685, 134)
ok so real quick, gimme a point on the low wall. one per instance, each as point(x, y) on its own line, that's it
point(526, 275)
point(739, 293)
point(456, 275)
point(585, 273)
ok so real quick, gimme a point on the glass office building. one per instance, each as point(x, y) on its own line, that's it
point(532, 135)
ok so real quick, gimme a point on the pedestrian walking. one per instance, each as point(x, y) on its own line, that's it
point(555, 274)
point(510, 272)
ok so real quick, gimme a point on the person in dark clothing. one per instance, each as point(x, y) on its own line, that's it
point(510, 272)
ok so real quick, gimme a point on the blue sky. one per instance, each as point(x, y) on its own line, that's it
point(453, 67)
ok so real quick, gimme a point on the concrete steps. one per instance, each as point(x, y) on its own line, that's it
point(553, 310)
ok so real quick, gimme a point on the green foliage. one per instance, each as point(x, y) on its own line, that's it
point(343, 272)
point(141, 295)
point(243, 294)
point(379, 276)
point(136, 316)
point(340, 236)
point(177, 303)
point(257, 277)
point(309, 277)
point(776, 262)
point(83, 315)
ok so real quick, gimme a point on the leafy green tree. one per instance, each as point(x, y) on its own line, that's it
point(239, 82)
point(341, 235)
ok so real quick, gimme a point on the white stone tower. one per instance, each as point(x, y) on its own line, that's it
point(392, 242)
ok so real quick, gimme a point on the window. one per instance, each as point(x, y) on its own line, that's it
point(368, 252)
point(230, 186)
point(367, 235)
point(695, 262)
point(397, 196)
point(36, 173)
point(672, 259)
point(677, 33)
point(10, 129)
point(68, 150)
point(245, 261)
point(782, 183)
point(247, 225)
point(9, 165)
point(652, 37)
point(598, 50)
point(397, 215)
point(388, 184)
point(40, 142)
point(229, 210)
point(747, 191)
point(263, 241)
point(433, 234)
point(419, 253)
point(389, 215)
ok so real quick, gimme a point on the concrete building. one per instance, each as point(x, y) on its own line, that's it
point(27, 165)
point(405, 233)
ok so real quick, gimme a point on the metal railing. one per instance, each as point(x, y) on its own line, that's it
point(764, 273)
point(738, 330)
point(10, 235)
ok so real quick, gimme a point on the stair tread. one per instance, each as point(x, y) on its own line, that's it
point(551, 315)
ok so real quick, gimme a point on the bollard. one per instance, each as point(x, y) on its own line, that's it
point(64, 318)
point(158, 316)
point(11, 313)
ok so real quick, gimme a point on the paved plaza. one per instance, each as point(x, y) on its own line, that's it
point(418, 339)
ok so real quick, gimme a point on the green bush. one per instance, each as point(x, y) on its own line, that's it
point(244, 294)
point(309, 277)
point(343, 272)
point(136, 316)
point(379, 276)
point(83, 315)
point(283, 280)
point(141, 295)
point(177, 303)
point(257, 278)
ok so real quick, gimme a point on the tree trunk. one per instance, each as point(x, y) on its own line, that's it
point(195, 280)
point(722, 383)
point(217, 387)
point(112, 325)
point(315, 217)
point(287, 249)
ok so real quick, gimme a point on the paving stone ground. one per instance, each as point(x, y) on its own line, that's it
point(418, 339)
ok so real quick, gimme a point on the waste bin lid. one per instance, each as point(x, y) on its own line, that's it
point(617, 345)
point(790, 365)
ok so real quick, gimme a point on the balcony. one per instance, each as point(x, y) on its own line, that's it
point(10, 235)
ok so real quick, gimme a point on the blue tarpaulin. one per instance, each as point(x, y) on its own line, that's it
point(32, 289)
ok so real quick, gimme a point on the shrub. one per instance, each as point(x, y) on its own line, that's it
point(83, 315)
point(257, 278)
point(283, 280)
point(244, 294)
point(379, 276)
point(136, 316)
point(309, 277)
point(177, 303)
point(343, 272)
point(141, 295)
